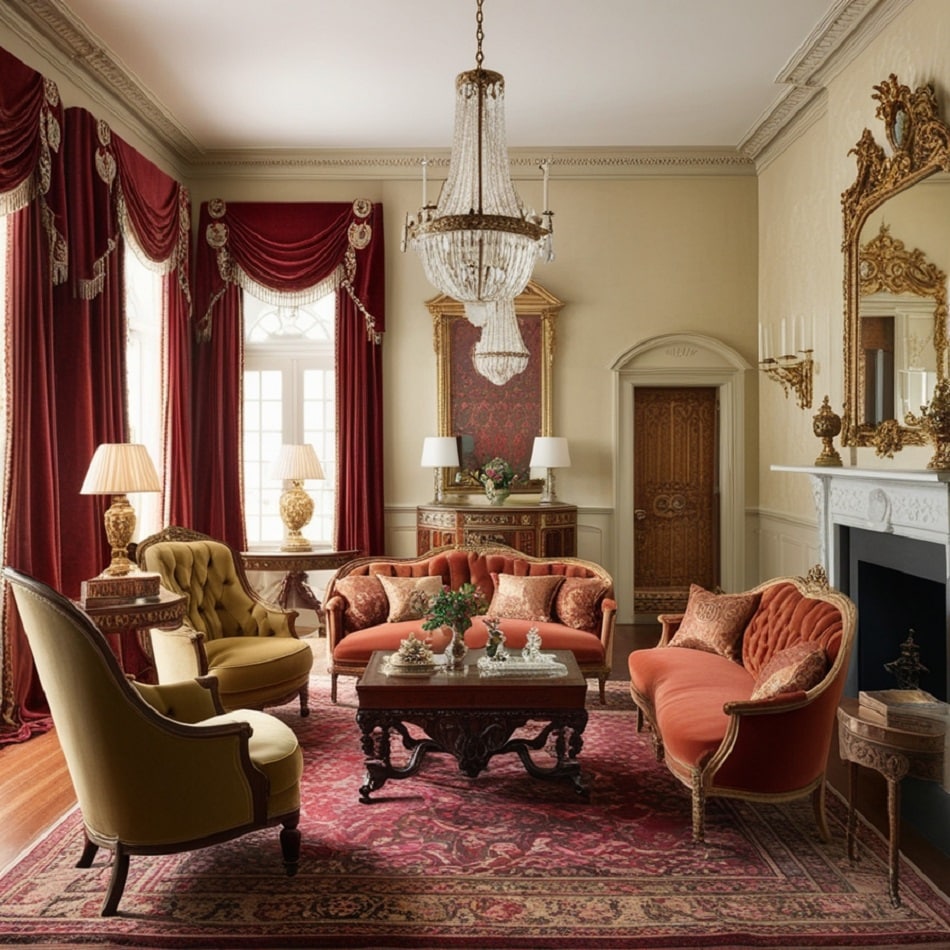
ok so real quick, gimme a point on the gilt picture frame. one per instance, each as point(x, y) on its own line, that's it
point(487, 420)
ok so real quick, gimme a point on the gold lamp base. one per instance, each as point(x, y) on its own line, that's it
point(120, 526)
point(296, 510)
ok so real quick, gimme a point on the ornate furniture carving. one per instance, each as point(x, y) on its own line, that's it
point(352, 639)
point(471, 717)
point(487, 419)
point(293, 587)
point(540, 531)
point(156, 769)
point(877, 263)
point(766, 749)
point(895, 754)
point(251, 646)
point(125, 624)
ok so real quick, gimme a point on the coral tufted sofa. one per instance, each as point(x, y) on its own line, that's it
point(742, 690)
point(575, 595)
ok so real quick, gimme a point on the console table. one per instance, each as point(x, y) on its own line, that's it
point(293, 587)
point(533, 529)
point(895, 754)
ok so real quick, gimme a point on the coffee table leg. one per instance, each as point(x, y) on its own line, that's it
point(568, 740)
point(377, 747)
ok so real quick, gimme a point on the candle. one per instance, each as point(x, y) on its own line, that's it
point(783, 351)
point(761, 342)
point(425, 200)
point(545, 167)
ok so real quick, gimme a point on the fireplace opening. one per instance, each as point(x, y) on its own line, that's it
point(899, 585)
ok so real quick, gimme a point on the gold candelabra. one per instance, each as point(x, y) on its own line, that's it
point(794, 372)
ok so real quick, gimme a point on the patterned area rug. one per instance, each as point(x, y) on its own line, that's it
point(504, 860)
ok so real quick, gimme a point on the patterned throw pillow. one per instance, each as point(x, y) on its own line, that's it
point(524, 598)
point(409, 596)
point(577, 603)
point(366, 603)
point(795, 668)
point(715, 622)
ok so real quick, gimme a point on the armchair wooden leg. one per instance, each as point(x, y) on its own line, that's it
point(305, 700)
point(333, 687)
point(602, 680)
point(88, 853)
point(290, 846)
point(120, 871)
point(818, 803)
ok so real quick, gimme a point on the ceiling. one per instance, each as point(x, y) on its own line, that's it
point(379, 74)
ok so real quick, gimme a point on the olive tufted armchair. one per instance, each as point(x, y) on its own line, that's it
point(156, 769)
point(229, 632)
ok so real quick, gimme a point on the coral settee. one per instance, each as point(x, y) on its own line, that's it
point(369, 604)
point(742, 690)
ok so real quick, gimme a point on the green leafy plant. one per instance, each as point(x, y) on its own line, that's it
point(455, 608)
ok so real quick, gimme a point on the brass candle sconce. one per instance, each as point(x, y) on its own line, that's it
point(794, 372)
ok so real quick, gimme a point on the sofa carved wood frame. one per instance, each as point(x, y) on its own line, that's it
point(762, 733)
point(339, 668)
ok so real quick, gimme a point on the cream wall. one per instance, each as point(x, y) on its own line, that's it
point(643, 250)
point(801, 267)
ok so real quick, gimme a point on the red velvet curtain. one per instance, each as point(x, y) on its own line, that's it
point(290, 249)
point(65, 379)
point(155, 214)
point(32, 193)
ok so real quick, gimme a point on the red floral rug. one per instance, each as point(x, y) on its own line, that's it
point(504, 860)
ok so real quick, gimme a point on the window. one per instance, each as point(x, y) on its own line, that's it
point(289, 398)
point(144, 376)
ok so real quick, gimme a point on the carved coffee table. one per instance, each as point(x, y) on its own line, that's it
point(472, 717)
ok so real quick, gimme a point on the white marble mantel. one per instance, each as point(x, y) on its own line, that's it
point(912, 503)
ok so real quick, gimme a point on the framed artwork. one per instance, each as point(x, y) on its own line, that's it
point(489, 420)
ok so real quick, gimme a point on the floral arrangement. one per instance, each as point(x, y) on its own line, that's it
point(455, 608)
point(498, 472)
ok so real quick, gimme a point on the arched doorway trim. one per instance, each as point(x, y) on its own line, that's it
point(682, 359)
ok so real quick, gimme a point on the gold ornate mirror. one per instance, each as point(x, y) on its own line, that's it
point(897, 252)
point(490, 420)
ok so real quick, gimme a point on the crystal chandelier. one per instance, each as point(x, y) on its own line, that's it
point(479, 243)
point(500, 353)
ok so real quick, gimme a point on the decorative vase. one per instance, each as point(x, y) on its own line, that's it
point(496, 495)
point(455, 651)
point(826, 424)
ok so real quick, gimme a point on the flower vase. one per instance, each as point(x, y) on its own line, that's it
point(455, 651)
point(496, 495)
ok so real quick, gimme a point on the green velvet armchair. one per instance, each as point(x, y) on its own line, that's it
point(156, 769)
point(229, 632)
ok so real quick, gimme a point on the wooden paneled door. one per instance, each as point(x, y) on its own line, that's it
point(676, 495)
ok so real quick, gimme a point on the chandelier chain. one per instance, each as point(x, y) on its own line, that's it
point(479, 35)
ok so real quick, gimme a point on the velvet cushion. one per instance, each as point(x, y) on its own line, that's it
point(409, 596)
point(715, 622)
point(366, 603)
point(577, 602)
point(524, 598)
point(794, 669)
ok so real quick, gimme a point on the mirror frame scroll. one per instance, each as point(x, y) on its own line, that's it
point(919, 143)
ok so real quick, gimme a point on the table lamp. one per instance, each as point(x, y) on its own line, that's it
point(549, 453)
point(116, 469)
point(295, 464)
point(438, 452)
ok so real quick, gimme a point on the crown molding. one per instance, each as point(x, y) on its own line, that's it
point(50, 28)
point(396, 164)
point(846, 30)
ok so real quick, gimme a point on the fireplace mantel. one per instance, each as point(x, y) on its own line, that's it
point(906, 502)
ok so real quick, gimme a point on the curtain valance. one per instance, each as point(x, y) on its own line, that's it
point(31, 133)
point(294, 252)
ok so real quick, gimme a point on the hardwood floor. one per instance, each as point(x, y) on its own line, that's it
point(35, 789)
